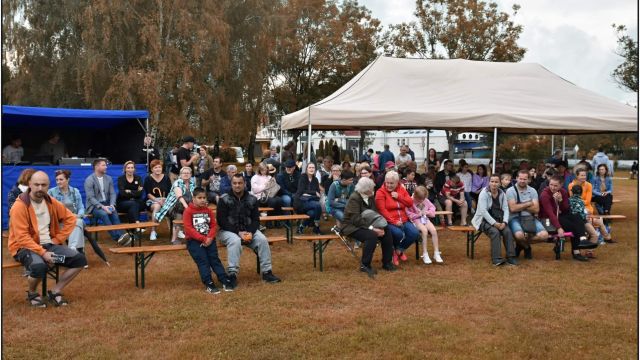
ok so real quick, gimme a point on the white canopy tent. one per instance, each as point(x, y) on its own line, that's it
point(394, 93)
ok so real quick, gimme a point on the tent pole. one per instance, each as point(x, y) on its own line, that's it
point(427, 152)
point(563, 141)
point(495, 145)
point(309, 144)
point(552, 145)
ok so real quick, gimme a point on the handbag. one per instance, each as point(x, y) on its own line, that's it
point(271, 190)
point(527, 222)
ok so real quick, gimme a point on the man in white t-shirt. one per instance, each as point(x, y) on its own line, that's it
point(13, 152)
point(404, 155)
point(39, 227)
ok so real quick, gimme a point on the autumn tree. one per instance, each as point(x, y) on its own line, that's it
point(626, 74)
point(457, 29)
point(323, 45)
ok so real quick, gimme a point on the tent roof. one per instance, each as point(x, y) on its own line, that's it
point(23, 116)
point(393, 93)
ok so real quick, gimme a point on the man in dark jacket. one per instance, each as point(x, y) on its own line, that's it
point(386, 156)
point(288, 182)
point(239, 218)
point(443, 176)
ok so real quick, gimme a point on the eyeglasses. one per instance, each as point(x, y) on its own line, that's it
point(185, 173)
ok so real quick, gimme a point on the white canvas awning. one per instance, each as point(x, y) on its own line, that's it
point(394, 93)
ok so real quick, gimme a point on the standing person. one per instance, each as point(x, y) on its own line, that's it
point(419, 215)
point(479, 181)
point(335, 152)
point(130, 188)
point(452, 198)
point(200, 229)
point(432, 159)
point(307, 199)
point(54, 148)
point(357, 227)
point(554, 205)
point(273, 154)
point(211, 180)
point(391, 201)
point(634, 170)
point(367, 156)
point(603, 189)
point(288, 182)
point(13, 153)
point(404, 156)
point(289, 152)
point(35, 236)
point(203, 163)
point(492, 217)
point(149, 152)
point(71, 199)
point(179, 197)
point(239, 218)
point(601, 158)
point(21, 186)
point(411, 153)
point(466, 176)
point(184, 155)
point(523, 207)
point(338, 194)
point(385, 157)
point(101, 200)
point(172, 162)
point(157, 186)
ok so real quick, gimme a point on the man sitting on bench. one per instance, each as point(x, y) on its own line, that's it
point(36, 238)
point(238, 218)
point(523, 206)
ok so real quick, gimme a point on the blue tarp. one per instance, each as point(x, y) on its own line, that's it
point(21, 116)
point(10, 176)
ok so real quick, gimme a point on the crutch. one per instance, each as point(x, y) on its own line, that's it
point(336, 231)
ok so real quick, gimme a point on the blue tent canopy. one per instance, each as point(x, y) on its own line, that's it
point(23, 116)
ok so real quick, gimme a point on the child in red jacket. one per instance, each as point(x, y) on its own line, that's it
point(200, 229)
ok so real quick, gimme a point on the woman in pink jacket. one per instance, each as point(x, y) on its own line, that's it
point(419, 215)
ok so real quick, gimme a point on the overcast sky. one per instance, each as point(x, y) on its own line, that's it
point(572, 38)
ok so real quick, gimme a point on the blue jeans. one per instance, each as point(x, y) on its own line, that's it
point(108, 219)
point(207, 259)
point(403, 236)
point(313, 209)
point(468, 199)
point(337, 214)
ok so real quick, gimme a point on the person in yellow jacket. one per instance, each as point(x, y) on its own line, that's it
point(38, 229)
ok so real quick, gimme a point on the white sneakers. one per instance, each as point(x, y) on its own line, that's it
point(153, 236)
point(426, 259)
point(437, 258)
point(181, 235)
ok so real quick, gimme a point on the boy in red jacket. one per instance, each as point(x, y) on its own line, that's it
point(200, 228)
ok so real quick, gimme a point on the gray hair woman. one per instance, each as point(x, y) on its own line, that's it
point(357, 227)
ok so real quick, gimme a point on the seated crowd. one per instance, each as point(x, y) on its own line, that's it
point(385, 198)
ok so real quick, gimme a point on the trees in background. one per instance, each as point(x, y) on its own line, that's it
point(626, 74)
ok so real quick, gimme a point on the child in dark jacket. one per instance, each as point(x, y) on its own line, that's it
point(200, 228)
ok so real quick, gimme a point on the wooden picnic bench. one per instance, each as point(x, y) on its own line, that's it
point(319, 242)
point(472, 236)
point(143, 254)
point(130, 228)
point(287, 222)
point(53, 272)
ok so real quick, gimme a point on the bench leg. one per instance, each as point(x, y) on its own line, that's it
point(417, 250)
point(322, 246)
point(287, 228)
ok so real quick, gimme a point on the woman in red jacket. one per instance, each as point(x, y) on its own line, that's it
point(391, 202)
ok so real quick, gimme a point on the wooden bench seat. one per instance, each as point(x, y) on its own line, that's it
point(320, 242)
point(143, 254)
point(472, 236)
point(53, 272)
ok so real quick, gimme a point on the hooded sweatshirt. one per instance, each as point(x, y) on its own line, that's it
point(199, 223)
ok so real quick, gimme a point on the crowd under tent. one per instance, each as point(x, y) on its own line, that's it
point(464, 95)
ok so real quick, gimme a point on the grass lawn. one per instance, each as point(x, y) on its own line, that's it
point(466, 309)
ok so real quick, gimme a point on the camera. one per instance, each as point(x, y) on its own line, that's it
point(57, 259)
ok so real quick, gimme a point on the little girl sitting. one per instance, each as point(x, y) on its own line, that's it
point(419, 214)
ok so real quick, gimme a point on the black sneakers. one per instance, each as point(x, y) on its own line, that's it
point(389, 267)
point(270, 278)
point(371, 272)
point(580, 257)
point(212, 289)
point(229, 285)
point(527, 253)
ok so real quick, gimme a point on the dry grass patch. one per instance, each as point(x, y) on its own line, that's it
point(465, 309)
